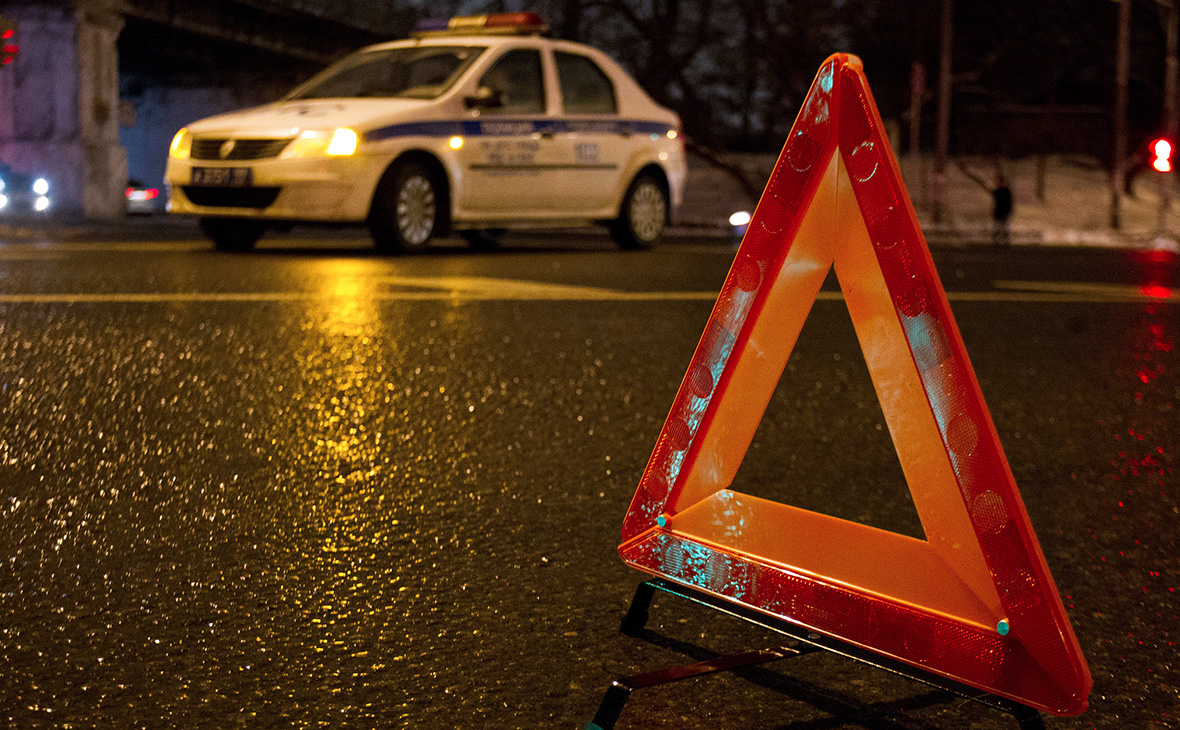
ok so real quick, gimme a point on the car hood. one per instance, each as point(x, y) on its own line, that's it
point(288, 118)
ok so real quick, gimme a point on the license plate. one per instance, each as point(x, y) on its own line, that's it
point(224, 177)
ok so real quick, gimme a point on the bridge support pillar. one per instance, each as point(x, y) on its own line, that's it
point(59, 104)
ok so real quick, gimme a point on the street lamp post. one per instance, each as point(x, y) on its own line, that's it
point(942, 138)
point(1122, 69)
point(1171, 110)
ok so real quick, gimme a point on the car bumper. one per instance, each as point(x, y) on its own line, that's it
point(329, 190)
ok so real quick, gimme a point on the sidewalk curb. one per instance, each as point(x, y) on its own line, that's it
point(967, 236)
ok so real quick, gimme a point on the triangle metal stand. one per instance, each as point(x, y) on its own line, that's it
point(808, 642)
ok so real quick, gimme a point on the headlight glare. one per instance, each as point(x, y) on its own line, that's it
point(182, 145)
point(313, 143)
point(41, 186)
point(344, 142)
point(308, 144)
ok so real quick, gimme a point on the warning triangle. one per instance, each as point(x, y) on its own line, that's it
point(974, 602)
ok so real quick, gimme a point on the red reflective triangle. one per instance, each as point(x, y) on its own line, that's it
point(974, 601)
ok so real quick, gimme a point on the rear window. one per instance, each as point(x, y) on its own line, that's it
point(585, 88)
point(422, 72)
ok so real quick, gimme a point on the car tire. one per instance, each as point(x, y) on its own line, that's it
point(643, 214)
point(408, 209)
point(482, 239)
point(232, 234)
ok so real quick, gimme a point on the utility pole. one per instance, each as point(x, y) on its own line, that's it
point(1171, 105)
point(1122, 70)
point(917, 93)
point(943, 136)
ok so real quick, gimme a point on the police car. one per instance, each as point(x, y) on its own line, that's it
point(474, 125)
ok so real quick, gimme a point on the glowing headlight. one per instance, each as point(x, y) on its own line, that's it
point(311, 143)
point(739, 222)
point(41, 204)
point(41, 186)
point(307, 144)
point(3, 201)
point(344, 142)
point(182, 145)
point(740, 218)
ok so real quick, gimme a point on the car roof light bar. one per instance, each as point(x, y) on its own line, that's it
point(495, 24)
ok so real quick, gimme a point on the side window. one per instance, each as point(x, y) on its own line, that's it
point(585, 89)
point(517, 79)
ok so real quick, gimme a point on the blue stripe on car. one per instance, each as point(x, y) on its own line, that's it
point(509, 127)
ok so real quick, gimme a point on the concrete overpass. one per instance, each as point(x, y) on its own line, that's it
point(100, 86)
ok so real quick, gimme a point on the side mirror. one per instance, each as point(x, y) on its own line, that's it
point(485, 97)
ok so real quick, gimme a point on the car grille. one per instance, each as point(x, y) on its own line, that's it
point(243, 149)
point(259, 197)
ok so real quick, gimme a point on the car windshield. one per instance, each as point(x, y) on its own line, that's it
point(419, 72)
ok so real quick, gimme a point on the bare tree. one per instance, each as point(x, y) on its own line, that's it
point(664, 43)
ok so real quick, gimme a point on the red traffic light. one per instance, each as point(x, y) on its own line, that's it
point(1161, 155)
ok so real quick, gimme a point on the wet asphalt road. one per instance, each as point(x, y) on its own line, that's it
point(314, 487)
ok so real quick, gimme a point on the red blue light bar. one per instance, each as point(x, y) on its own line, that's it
point(495, 24)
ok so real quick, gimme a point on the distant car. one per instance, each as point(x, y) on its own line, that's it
point(21, 193)
point(475, 125)
point(141, 199)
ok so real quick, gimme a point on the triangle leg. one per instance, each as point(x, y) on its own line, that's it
point(636, 617)
point(621, 689)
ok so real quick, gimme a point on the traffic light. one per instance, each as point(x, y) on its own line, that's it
point(1161, 154)
point(8, 45)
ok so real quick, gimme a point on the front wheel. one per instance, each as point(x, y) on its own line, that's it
point(407, 210)
point(643, 214)
point(232, 234)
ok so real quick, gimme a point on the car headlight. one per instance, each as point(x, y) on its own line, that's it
point(312, 143)
point(182, 145)
point(41, 186)
point(344, 142)
point(3, 201)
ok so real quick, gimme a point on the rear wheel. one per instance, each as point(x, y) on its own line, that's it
point(407, 209)
point(643, 214)
point(232, 234)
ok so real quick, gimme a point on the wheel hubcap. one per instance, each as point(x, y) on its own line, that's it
point(648, 211)
point(416, 210)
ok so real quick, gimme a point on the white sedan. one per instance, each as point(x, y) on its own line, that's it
point(475, 125)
